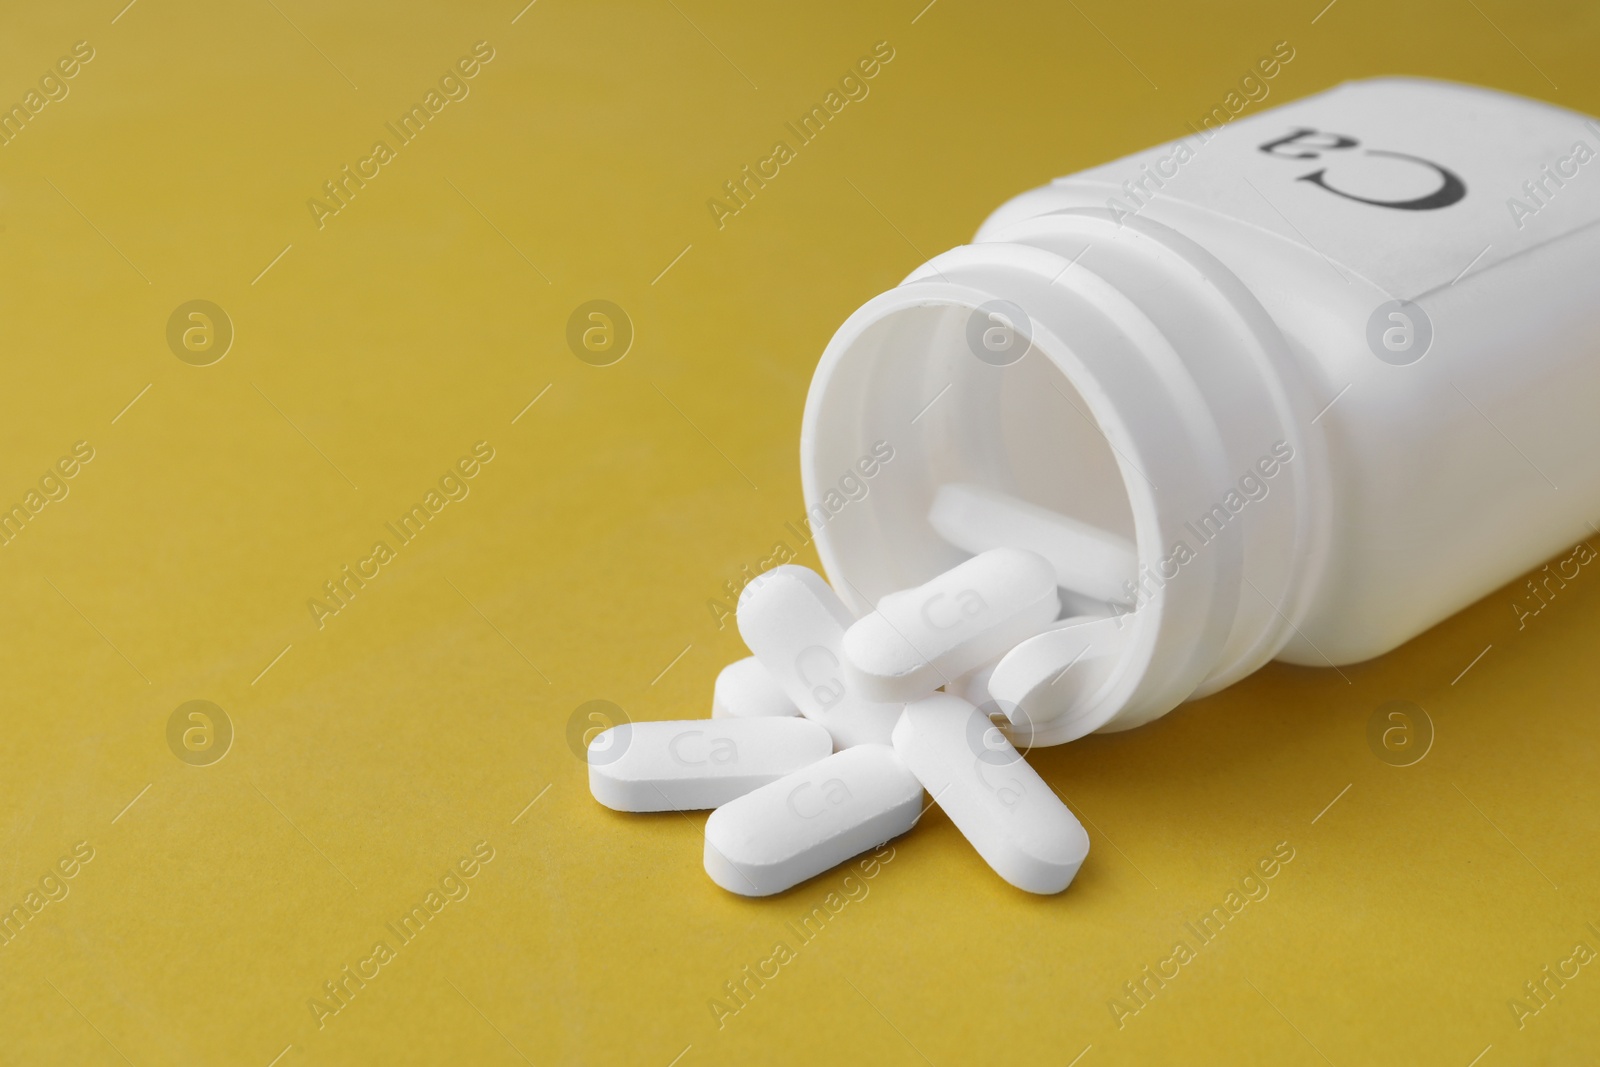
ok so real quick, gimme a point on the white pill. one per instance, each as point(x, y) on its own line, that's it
point(924, 637)
point(999, 803)
point(746, 690)
point(697, 763)
point(1087, 559)
point(816, 818)
point(794, 623)
point(1046, 683)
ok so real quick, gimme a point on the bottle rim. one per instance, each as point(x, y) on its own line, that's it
point(1152, 397)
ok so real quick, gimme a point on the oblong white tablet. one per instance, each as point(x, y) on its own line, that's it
point(1050, 678)
point(1087, 559)
point(794, 623)
point(999, 803)
point(923, 637)
point(816, 818)
point(698, 763)
point(746, 690)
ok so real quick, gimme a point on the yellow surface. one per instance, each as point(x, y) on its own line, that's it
point(424, 717)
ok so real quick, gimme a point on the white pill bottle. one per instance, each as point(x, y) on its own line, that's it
point(1334, 368)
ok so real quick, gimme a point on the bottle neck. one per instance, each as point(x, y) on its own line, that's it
point(1114, 372)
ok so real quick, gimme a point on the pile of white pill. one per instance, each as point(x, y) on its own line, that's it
point(821, 744)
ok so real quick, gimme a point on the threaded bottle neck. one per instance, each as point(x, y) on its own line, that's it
point(1142, 389)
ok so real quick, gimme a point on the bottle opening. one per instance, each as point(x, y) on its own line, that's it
point(1100, 385)
point(974, 438)
point(960, 418)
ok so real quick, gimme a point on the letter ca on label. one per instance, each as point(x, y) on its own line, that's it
point(1302, 144)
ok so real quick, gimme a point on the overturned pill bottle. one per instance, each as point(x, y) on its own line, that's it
point(1330, 373)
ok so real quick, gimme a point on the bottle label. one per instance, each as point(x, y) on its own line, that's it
point(1411, 184)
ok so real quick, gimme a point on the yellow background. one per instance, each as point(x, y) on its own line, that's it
point(429, 713)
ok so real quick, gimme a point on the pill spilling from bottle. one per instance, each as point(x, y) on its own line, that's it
point(839, 732)
point(1161, 361)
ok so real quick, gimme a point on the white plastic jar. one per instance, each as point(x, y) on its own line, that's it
point(1333, 368)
